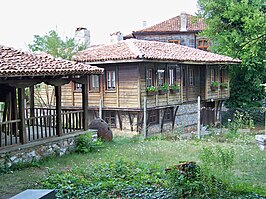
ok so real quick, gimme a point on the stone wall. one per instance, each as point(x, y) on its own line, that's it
point(186, 39)
point(186, 119)
point(37, 150)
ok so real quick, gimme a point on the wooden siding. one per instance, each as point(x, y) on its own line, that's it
point(219, 93)
point(191, 91)
point(159, 100)
point(128, 76)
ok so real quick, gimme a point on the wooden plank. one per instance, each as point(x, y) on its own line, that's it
point(58, 110)
point(85, 89)
point(21, 105)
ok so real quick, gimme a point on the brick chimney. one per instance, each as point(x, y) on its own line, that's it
point(183, 20)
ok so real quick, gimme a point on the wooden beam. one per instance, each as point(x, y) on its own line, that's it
point(162, 123)
point(173, 119)
point(85, 98)
point(130, 121)
point(58, 97)
point(120, 120)
point(31, 101)
point(21, 105)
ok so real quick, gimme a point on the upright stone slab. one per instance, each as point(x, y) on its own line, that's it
point(261, 141)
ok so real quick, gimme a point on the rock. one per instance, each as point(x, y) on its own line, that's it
point(104, 132)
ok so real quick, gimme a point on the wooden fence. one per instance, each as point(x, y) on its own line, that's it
point(40, 124)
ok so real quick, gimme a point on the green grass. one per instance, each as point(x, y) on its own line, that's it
point(249, 167)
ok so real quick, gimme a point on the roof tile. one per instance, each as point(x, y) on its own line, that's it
point(132, 49)
point(18, 63)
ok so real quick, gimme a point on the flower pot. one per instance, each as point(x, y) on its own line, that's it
point(173, 91)
point(214, 88)
point(162, 92)
point(151, 93)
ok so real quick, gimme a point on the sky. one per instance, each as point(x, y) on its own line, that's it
point(21, 19)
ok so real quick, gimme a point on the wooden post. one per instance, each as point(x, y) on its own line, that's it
point(85, 98)
point(198, 128)
point(145, 117)
point(58, 97)
point(100, 108)
point(31, 101)
point(21, 105)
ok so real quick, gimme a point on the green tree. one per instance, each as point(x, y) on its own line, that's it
point(237, 28)
point(52, 44)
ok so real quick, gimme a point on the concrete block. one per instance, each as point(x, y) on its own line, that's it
point(36, 194)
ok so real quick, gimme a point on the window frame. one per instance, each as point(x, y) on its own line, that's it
point(203, 46)
point(77, 88)
point(161, 77)
point(191, 77)
point(172, 76)
point(110, 80)
point(175, 41)
point(213, 75)
point(153, 116)
point(149, 77)
point(168, 114)
point(92, 82)
point(110, 118)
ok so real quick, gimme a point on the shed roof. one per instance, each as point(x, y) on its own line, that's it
point(141, 50)
point(18, 63)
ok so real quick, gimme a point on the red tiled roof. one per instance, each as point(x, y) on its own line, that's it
point(133, 49)
point(18, 63)
point(194, 24)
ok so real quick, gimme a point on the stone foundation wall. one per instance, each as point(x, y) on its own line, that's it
point(186, 119)
point(37, 150)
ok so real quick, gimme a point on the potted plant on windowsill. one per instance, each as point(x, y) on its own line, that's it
point(163, 89)
point(214, 86)
point(223, 86)
point(174, 88)
point(151, 90)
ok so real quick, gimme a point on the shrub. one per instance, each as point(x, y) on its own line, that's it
point(86, 144)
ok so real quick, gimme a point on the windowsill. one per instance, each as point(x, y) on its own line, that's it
point(92, 91)
point(111, 91)
point(77, 91)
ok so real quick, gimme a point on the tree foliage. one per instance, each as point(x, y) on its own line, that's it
point(237, 28)
point(54, 45)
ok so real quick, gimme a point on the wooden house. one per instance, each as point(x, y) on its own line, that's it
point(20, 72)
point(183, 29)
point(133, 68)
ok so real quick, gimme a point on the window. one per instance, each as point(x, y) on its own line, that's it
point(222, 76)
point(153, 117)
point(174, 41)
point(110, 118)
point(110, 79)
point(203, 44)
point(168, 114)
point(149, 78)
point(191, 77)
point(213, 75)
point(77, 87)
point(160, 77)
point(94, 83)
point(184, 76)
point(172, 76)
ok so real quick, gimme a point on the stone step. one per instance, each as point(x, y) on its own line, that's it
point(36, 194)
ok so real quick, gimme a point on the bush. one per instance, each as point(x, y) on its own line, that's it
point(85, 143)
